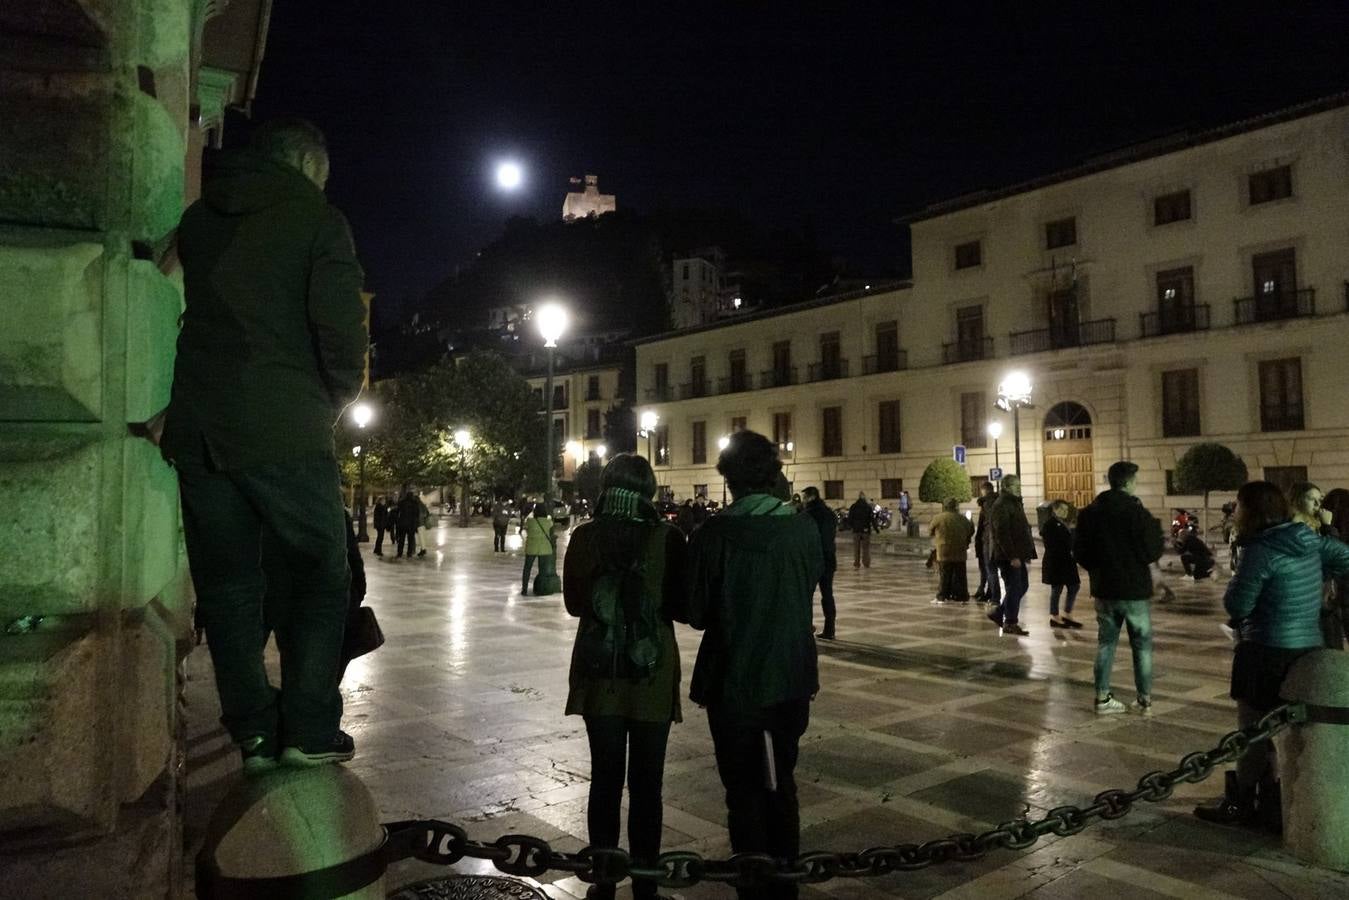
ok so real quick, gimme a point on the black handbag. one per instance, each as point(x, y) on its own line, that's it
point(363, 634)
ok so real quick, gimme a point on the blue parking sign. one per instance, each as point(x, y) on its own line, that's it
point(995, 474)
point(958, 453)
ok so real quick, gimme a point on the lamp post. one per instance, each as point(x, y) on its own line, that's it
point(463, 439)
point(995, 432)
point(648, 422)
point(722, 443)
point(361, 414)
point(1014, 395)
point(552, 321)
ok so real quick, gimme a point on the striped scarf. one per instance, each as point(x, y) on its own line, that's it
point(620, 503)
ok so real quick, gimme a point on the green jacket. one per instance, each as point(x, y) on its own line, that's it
point(1009, 534)
point(537, 532)
point(273, 341)
point(951, 533)
point(1276, 592)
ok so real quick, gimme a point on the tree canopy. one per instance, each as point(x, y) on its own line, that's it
point(944, 479)
point(1208, 467)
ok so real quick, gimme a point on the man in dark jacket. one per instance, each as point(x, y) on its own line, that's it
point(828, 524)
point(1117, 541)
point(861, 521)
point(272, 348)
point(1011, 548)
point(409, 511)
point(381, 525)
point(988, 573)
point(753, 569)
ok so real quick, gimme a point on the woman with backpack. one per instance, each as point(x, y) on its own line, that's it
point(538, 534)
point(624, 580)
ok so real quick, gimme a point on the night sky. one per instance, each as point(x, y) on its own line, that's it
point(835, 116)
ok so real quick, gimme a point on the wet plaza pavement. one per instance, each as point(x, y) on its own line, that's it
point(928, 722)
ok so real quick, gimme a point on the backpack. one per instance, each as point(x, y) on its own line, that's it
point(621, 638)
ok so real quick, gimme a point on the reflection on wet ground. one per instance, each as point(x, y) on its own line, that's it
point(928, 721)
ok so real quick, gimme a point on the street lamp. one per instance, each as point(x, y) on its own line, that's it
point(648, 423)
point(722, 443)
point(1014, 395)
point(995, 432)
point(552, 321)
point(463, 439)
point(361, 414)
point(601, 451)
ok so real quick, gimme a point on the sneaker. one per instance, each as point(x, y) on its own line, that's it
point(1055, 623)
point(338, 748)
point(259, 753)
point(1014, 628)
point(1143, 706)
point(1109, 706)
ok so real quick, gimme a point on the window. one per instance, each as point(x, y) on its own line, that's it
point(1061, 233)
point(699, 434)
point(1175, 300)
point(833, 490)
point(662, 435)
point(1271, 184)
point(593, 387)
point(782, 362)
point(662, 378)
point(973, 420)
point(700, 490)
point(970, 331)
point(1180, 403)
point(1275, 277)
point(698, 376)
point(1168, 208)
point(887, 441)
point(832, 445)
point(891, 488)
point(1281, 395)
point(782, 429)
point(831, 355)
point(686, 272)
point(738, 423)
point(887, 346)
point(559, 396)
point(739, 382)
point(1284, 477)
point(969, 255)
point(1170, 481)
point(593, 429)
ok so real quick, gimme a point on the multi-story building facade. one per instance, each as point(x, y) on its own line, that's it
point(581, 396)
point(1170, 294)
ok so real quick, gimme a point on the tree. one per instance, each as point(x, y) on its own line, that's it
point(587, 481)
point(620, 429)
point(944, 479)
point(1208, 467)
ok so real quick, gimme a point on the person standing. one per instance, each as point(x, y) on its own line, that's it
point(861, 520)
point(501, 520)
point(1335, 623)
point(381, 524)
point(753, 569)
point(1117, 541)
point(951, 533)
point(988, 591)
point(827, 523)
point(905, 505)
point(409, 518)
point(424, 520)
point(538, 533)
point(625, 681)
point(1059, 571)
point(1275, 597)
point(272, 349)
point(1011, 548)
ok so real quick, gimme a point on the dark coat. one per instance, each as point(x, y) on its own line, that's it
point(409, 513)
point(1009, 534)
point(861, 517)
point(751, 583)
point(827, 522)
point(273, 340)
point(1058, 566)
point(1117, 540)
point(381, 516)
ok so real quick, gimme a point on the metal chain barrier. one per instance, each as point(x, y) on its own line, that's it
point(524, 855)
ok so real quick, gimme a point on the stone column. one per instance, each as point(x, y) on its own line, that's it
point(1314, 761)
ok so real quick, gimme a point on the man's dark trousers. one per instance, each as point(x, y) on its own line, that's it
point(761, 820)
point(1015, 583)
point(827, 600)
point(407, 538)
point(379, 540)
point(225, 515)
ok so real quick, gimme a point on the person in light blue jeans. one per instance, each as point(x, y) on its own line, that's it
point(1136, 616)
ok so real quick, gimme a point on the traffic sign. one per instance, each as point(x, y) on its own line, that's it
point(958, 453)
point(995, 474)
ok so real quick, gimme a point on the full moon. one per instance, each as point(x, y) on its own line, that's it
point(509, 175)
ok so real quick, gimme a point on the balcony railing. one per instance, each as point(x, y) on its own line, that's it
point(967, 350)
point(885, 362)
point(662, 394)
point(777, 377)
point(1273, 307)
point(1081, 334)
point(734, 384)
point(827, 371)
point(695, 389)
point(1177, 320)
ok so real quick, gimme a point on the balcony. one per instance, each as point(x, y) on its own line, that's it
point(695, 389)
point(1174, 321)
point(778, 377)
point(1297, 304)
point(1082, 334)
point(886, 362)
point(662, 394)
point(734, 384)
point(827, 371)
point(969, 350)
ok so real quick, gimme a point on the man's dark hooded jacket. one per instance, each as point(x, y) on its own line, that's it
point(827, 523)
point(1116, 541)
point(752, 578)
point(273, 340)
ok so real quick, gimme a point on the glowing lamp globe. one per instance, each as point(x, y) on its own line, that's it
point(361, 414)
point(463, 439)
point(995, 430)
point(649, 420)
point(723, 442)
point(552, 322)
point(1015, 388)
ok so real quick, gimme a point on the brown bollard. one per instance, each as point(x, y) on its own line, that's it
point(272, 827)
point(1314, 761)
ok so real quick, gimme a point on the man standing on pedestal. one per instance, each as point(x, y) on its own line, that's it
point(272, 348)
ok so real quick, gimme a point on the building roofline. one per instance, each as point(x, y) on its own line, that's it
point(1132, 153)
point(884, 287)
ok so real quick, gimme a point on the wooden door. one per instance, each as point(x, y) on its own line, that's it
point(1069, 474)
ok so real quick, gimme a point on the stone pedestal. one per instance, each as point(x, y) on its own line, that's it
point(292, 821)
point(1314, 762)
point(547, 581)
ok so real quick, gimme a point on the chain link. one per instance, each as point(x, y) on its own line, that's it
point(526, 855)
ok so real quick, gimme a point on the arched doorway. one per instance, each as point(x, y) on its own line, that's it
point(1068, 458)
